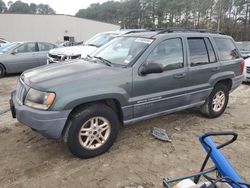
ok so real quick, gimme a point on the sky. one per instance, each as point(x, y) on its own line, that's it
point(70, 7)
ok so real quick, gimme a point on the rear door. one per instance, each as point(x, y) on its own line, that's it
point(43, 48)
point(203, 63)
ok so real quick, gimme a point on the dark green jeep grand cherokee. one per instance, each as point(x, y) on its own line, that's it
point(134, 77)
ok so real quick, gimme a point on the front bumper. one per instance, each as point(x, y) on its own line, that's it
point(49, 124)
point(246, 74)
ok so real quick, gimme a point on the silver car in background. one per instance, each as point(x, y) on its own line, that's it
point(17, 57)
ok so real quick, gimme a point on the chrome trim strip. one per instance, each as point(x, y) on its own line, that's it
point(162, 113)
point(162, 99)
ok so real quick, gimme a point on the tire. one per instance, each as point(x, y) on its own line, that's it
point(97, 122)
point(2, 71)
point(212, 110)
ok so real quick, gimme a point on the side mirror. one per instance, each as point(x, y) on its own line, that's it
point(13, 53)
point(151, 68)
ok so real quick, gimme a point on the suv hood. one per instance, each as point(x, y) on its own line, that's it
point(51, 76)
point(74, 50)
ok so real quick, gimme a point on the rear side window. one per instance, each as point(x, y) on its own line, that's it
point(227, 49)
point(211, 53)
point(45, 46)
point(198, 51)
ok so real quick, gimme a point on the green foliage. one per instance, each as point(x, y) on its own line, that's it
point(44, 9)
point(19, 7)
point(230, 16)
point(24, 8)
point(2, 6)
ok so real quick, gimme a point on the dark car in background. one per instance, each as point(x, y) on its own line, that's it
point(132, 78)
point(17, 57)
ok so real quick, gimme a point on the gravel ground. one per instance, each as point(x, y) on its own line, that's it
point(28, 160)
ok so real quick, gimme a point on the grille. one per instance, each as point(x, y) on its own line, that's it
point(248, 70)
point(75, 56)
point(54, 58)
point(61, 57)
point(20, 92)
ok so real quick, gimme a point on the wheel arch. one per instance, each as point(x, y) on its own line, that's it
point(113, 103)
point(1, 64)
point(224, 78)
point(227, 82)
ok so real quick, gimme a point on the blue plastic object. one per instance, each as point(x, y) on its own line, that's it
point(220, 161)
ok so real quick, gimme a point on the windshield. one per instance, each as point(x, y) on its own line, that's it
point(243, 46)
point(7, 47)
point(100, 39)
point(123, 50)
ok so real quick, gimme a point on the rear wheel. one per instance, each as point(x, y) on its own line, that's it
point(217, 101)
point(92, 131)
point(2, 71)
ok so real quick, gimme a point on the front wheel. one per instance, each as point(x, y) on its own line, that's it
point(92, 131)
point(217, 101)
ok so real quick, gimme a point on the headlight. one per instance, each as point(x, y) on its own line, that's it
point(38, 99)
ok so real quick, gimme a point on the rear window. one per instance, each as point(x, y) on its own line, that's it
point(45, 46)
point(227, 49)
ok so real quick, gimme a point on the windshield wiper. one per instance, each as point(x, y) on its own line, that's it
point(105, 61)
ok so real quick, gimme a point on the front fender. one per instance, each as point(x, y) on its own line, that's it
point(67, 102)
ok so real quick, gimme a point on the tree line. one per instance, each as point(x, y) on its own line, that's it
point(25, 8)
point(228, 16)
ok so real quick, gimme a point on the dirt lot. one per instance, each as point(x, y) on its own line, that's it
point(28, 160)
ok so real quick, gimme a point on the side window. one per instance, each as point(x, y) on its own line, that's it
point(198, 51)
point(227, 49)
point(45, 46)
point(25, 48)
point(168, 53)
point(210, 49)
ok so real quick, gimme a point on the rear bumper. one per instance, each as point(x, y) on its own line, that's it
point(236, 81)
point(49, 124)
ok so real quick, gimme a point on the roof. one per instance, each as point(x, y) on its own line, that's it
point(179, 32)
point(148, 34)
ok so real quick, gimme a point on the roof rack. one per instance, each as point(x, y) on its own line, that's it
point(172, 30)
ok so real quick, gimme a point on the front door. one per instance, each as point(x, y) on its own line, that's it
point(160, 92)
point(23, 57)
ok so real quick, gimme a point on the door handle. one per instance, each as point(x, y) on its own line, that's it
point(180, 75)
point(215, 69)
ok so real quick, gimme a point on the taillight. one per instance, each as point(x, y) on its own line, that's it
point(242, 65)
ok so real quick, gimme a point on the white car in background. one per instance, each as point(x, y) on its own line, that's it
point(244, 48)
point(90, 46)
point(3, 42)
point(247, 70)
